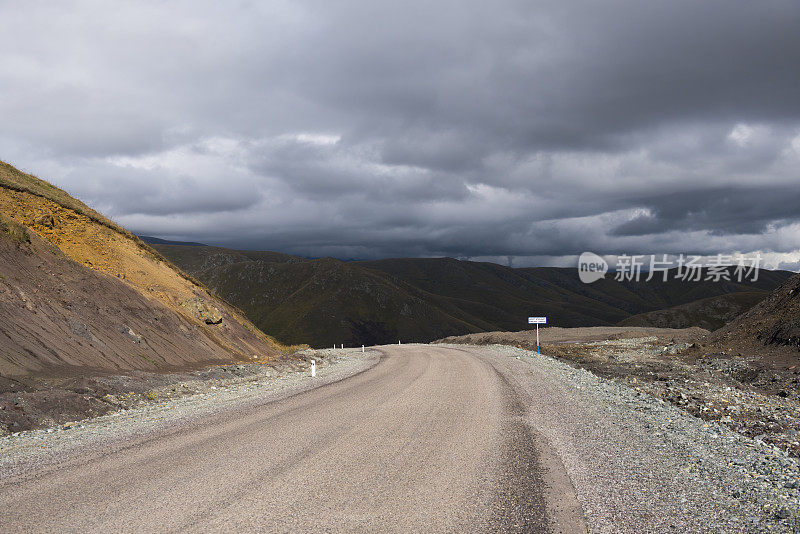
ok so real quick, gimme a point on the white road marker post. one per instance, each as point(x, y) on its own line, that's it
point(313, 368)
point(342, 346)
point(362, 349)
point(537, 321)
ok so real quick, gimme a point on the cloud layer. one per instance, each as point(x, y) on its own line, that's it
point(529, 131)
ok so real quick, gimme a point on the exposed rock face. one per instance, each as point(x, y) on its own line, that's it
point(45, 219)
point(200, 309)
point(79, 294)
point(79, 329)
point(57, 314)
point(128, 331)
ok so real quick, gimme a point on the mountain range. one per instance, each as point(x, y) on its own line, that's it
point(327, 301)
point(80, 293)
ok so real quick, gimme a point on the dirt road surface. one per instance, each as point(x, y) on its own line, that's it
point(431, 439)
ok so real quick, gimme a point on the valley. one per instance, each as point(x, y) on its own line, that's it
point(326, 301)
point(653, 406)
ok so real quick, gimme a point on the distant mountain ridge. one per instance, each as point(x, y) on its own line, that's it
point(150, 240)
point(326, 301)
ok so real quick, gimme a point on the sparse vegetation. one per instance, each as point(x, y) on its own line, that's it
point(326, 301)
point(93, 240)
point(149, 360)
point(15, 231)
point(11, 178)
point(16, 180)
point(87, 274)
point(710, 313)
point(149, 395)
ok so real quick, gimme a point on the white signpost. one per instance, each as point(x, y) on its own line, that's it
point(537, 321)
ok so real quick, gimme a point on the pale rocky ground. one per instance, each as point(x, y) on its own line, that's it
point(640, 464)
point(744, 392)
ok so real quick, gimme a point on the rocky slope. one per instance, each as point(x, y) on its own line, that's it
point(774, 322)
point(80, 294)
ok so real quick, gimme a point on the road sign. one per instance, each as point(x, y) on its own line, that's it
point(537, 321)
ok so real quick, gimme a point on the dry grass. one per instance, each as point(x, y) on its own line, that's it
point(16, 180)
point(14, 230)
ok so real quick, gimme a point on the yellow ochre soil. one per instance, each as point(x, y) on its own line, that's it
point(97, 243)
point(98, 247)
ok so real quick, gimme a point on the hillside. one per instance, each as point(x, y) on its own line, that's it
point(321, 301)
point(80, 294)
point(774, 322)
point(710, 313)
point(326, 301)
point(555, 292)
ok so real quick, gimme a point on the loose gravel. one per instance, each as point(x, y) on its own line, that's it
point(23, 451)
point(639, 464)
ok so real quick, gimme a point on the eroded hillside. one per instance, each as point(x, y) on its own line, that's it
point(82, 293)
point(771, 328)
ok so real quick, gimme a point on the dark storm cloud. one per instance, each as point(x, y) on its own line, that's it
point(362, 129)
point(721, 210)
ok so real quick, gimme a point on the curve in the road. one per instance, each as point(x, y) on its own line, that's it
point(429, 440)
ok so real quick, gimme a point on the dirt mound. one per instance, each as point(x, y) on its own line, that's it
point(79, 294)
point(772, 324)
point(776, 321)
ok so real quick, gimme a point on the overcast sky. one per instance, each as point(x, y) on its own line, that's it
point(522, 130)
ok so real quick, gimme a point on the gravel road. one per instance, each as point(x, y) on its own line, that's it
point(429, 439)
point(418, 439)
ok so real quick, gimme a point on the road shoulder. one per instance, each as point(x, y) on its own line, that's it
point(29, 453)
point(639, 464)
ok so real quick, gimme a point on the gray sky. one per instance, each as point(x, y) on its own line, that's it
point(529, 130)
